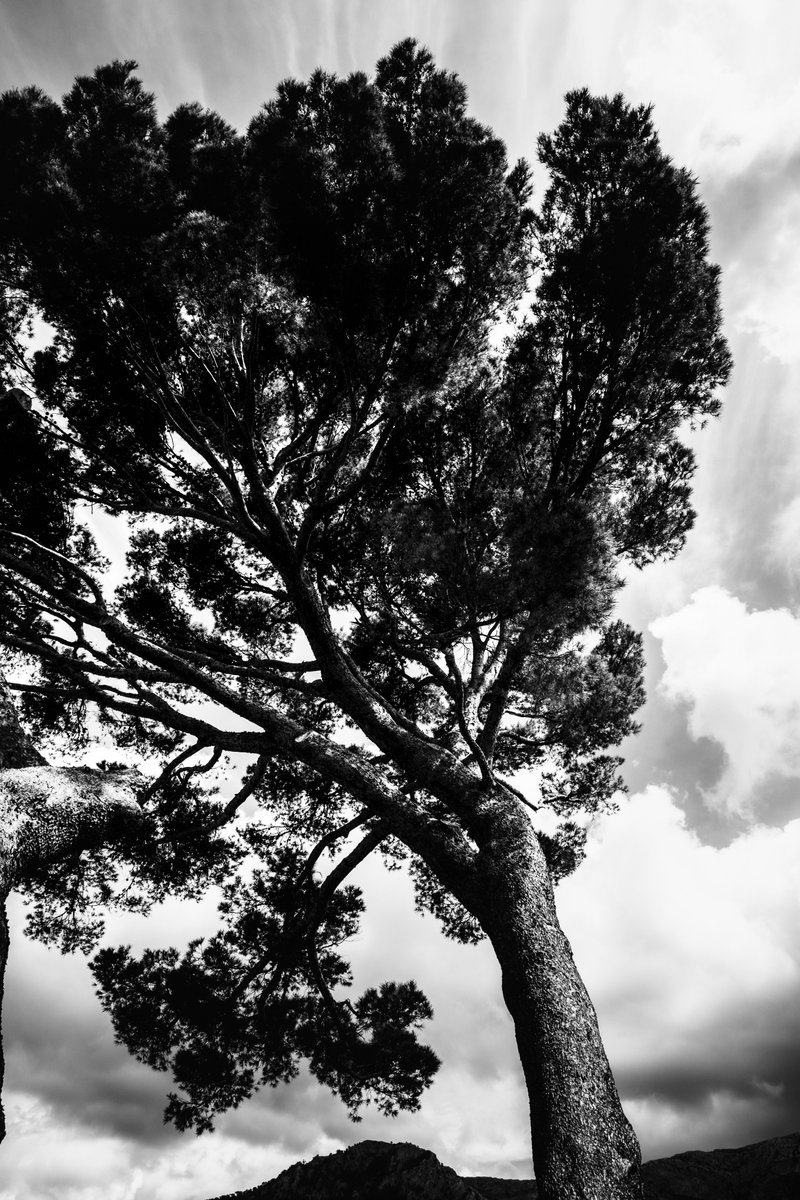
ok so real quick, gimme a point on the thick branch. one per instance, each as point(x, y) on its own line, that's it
point(47, 813)
point(515, 656)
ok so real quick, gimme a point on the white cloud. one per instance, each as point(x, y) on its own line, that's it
point(784, 543)
point(765, 286)
point(726, 93)
point(739, 673)
point(692, 957)
point(69, 1086)
point(48, 1157)
point(723, 77)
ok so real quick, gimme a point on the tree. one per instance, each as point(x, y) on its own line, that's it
point(374, 546)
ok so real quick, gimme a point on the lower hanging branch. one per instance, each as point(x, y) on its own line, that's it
point(280, 945)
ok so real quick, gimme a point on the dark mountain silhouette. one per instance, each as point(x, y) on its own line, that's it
point(367, 1171)
point(764, 1171)
point(400, 1171)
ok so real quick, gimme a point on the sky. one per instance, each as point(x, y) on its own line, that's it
point(685, 917)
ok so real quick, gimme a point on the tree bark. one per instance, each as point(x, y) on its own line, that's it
point(4, 941)
point(48, 812)
point(583, 1145)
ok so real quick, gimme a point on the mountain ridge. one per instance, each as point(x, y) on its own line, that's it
point(371, 1170)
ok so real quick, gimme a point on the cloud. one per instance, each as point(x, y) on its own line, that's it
point(784, 541)
point(48, 1156)
point(60, 1048)
point(762, 282)
point(692, 956)
point(739, 673)
point(728, 114)
point(723, 77)
point(69, 1085)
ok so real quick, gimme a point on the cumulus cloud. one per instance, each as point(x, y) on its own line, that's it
point(48, 1156)
point(692, 956)
point(739, 674)
point(60, 1048)
point(69, 1085)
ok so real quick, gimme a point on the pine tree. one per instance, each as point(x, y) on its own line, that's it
point(374, 547)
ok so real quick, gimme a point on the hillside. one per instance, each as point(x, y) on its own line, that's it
point(767, 1170)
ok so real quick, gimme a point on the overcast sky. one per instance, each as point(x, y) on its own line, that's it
point(685, 918)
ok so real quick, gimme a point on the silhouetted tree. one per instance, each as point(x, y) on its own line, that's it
point(374, 545)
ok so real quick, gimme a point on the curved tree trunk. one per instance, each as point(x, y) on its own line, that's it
point(583, 1145)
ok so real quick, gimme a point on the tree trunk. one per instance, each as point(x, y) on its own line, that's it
point(3, 960)
point(583, 1146)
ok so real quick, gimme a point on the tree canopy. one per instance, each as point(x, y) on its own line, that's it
point(382, 432)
